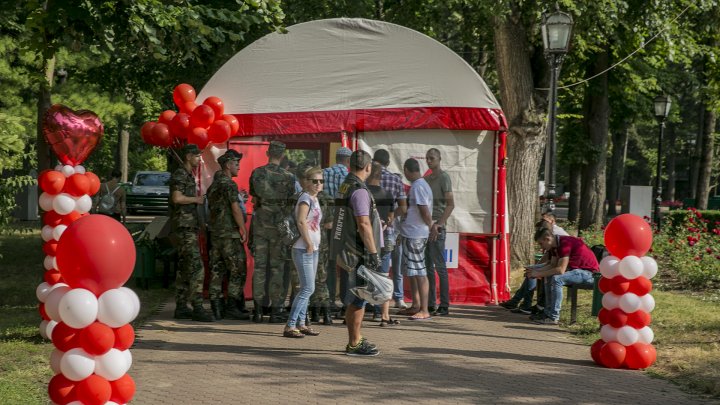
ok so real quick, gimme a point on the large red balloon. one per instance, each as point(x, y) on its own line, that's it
point(234, 123)
point(219, 131)
point(77, 185)
point(183, 93)
point(640, 355)
point(123, 389)
point(161, 135)
point(612, 355)
point(124, 337)
point(216, 104)
point(199, 137)
point(61, 390)
point(93, 390)
point(65, 337)
point(146, 132)
point(595, 350)
point(72, 135)
point(617, 318)
point(639, 319)
point(94, 183)
point(51, 181)
point(97, 253)
point(202, 117)
point(628, 235)
point(180, 126)
point(97, 338)
point(640, 286)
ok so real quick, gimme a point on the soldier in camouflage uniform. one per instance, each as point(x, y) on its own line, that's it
point(320, 300)
point(227, 236)
point(271, 187)
point(184, 203)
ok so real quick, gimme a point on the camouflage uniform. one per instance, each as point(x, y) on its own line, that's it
point(270, 187)
point(185, 226)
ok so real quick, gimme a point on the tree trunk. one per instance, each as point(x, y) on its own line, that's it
point(706, 160)
point(44, 158)
point(574, 200)
point(670, 164)
point(526, 132)
point(697, 152)
point(596, 120)
point(617, 167)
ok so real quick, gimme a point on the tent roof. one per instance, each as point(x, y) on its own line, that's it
point(346, 64)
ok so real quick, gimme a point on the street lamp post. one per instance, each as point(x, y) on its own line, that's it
point(662, 105)
point(556, 30)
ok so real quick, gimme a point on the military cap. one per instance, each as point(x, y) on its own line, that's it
point(228, 156)
point(190, 148)
point(343, 151)
point(276, 147)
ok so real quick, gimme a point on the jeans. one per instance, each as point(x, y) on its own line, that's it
point(435, 261)
point(524, 294)
point(306, 265)
point(397, 275)
point(554, 289)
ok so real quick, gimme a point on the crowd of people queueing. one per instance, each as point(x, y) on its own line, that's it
point(356, 209)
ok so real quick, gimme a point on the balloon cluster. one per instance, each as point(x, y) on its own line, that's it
point(625, 335)
point(84, 308)
point(199, 124)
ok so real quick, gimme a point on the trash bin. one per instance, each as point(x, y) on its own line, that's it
point(597, 295)
point(144, 265)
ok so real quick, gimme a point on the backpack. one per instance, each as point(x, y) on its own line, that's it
point(600, 252)
point(288, 227)
point(107, 201)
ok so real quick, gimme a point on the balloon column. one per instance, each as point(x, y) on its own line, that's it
point(199, 124)
point(85, 310)
point(625, 335)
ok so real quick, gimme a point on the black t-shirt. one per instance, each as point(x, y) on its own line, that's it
point(383, 201)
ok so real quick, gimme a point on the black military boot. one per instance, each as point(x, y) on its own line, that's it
point(182, 311)
point(200, 314)
point(241, 304)
point(277, 315)
point(233, 312)
point(257, 313)
point(327, 319)
point(314, 314)
point(217, 309)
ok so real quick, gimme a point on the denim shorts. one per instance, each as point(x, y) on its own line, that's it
point(351, 281)
point(414, 256)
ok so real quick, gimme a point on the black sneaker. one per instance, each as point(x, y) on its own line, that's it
point(442, 311)
point(520, 310)
point(363, 348)
point(538, 317)
point(508, 305)
point(536, 309)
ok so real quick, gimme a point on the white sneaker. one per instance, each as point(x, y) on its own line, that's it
point(400, 304)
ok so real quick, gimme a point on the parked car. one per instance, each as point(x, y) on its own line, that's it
point(149, 191)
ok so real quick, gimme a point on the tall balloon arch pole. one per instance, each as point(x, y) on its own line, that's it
point(85, 309)
point(625, 335)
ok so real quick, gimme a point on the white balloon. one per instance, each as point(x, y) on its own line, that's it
point(135, 300)
point(646, 335)
point(83, 204)
point(631, 267)
point(650, 267)
point(42, 291)
point(128, 358)
point(609, 266)
point(79, 169)
point(67, 170)
point(55, 358)
point(63, 204)
point(111, 403)
point(78, 308)
point(52, 302)
point(115, 308)
point(629, 303)
point(111, 365)
point(58, 168)
point(49, 329)
point(647, 303)
point(76, 403)
point(77, 365)
point(58, 231)
point(46, 201)
point(48, 262)
point(43, 329)
point(610, 300)
point(627, 335)
point(47, 233)
point(608, 333)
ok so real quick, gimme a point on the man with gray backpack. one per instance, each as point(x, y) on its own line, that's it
point(111, 201)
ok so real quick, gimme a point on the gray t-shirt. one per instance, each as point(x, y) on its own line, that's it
point(420, 194)
point(439, 184)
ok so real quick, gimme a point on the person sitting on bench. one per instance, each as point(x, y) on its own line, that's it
point(571, 262)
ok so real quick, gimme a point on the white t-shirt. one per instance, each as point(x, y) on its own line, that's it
point(419, 194)
point(313, 221)
point(559, 231)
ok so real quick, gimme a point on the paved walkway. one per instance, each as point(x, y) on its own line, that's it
point(482, 355)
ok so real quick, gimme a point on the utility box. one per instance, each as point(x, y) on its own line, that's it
point(637, 200)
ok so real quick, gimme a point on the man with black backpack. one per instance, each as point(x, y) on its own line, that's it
point(112, 198)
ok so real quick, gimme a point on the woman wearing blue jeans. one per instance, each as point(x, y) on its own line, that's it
point(305, 251)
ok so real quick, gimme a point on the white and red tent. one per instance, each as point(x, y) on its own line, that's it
point(371, 84)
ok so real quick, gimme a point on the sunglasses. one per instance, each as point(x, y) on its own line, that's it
point(317, 181)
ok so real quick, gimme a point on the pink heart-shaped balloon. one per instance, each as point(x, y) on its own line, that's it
point(72, 135)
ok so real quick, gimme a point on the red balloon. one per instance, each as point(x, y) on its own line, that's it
point(612, 355)
point(52, 276)
point(50, 247)
point(72, 135)
point(61, 390)
point(595, 350)
point(65, 337)
point(604, 316)
point(617, 318)
point(183, 93)
point(216, 104)
point(124, 337)
point(51, 182)
point(94, 183)
point(77, 185)
point(93, 390)
point(202, 117)
point(161, 135)
point(639, 319)
point(640, 286)
point(43, 314)
point(605, 284)
point(199, 137)
point(97, 338)
point(640, 355)
point(97, 253)
point(70, 218)
point(146, 132)
point(166, 117)
point(180, 126)
point(628, 235)
point(188, 107)
point(52, 218)
point(619, 285)
point(123, 389)
point(234, 123)
point(219, 131)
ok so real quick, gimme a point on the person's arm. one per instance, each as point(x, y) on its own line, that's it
point(555, 267)
point(239, 221)
point(426, 215)
point(401, 209)
point(366, 233)
point(449, 207)
point(301, 219)
point(179, 198)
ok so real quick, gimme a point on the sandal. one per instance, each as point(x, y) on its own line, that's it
point(388, 322)
point(293, 333)
point(309, 332)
